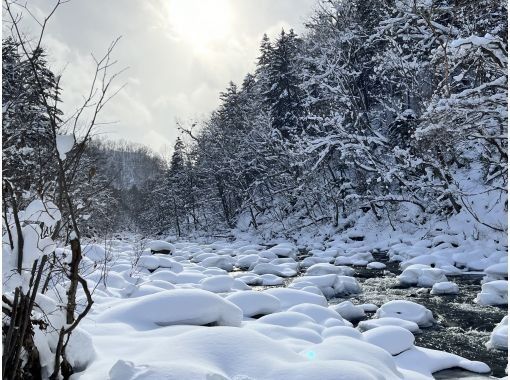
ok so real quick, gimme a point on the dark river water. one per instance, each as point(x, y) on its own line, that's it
point(463, 327)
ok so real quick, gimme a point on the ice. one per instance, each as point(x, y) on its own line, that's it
point(407, 310)
point(421, 275)
point(393, 339)
point(255, 303)
point(445, 288)
point(174, 307)
point(499, 337)
point(493, 293)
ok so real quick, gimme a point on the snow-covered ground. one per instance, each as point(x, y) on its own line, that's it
point(192, 313)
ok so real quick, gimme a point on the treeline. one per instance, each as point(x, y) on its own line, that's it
point(380, 104)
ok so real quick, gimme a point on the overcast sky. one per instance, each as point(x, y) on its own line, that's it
point(180, 54)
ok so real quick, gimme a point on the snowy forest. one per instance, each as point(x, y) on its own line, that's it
point(341, 215)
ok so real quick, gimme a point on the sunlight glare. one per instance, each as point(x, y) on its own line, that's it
point(199, 22)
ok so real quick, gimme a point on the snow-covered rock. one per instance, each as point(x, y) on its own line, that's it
point(326, 268)
point(174, 307)
point(331, 285)
point(408, 311)
point(389, 321)
point(496, 272)
point(421, 275)
point(376, 265)
point(499, 336)
point(255, 303)
point(444, 288)
point(393, 339)
point(493, 293)
point(349, 311)
point(319, 314)
point(161, 246)
point(283, 270)
point(292, 297)
point(217, 284)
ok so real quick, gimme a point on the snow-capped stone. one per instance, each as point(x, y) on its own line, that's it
point(388, 321)
point(255, 303)
point(174, 307)
point(283, 270)
point(292, 297)
point(408, 311)
point(421, 275)
point(218, 261)
point(326, 268)
point(217, 284)
point(493, 293)
point(376, 265)
point(496, 272)
point(499, 336)
point(393, 339)
point(319, 314)
point(161, 246)
point(349, 311)
point(330, 284)
point(445, 288)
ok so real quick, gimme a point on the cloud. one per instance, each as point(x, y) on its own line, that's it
point(168, 77)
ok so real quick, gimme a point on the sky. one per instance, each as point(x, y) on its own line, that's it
point(179, 54)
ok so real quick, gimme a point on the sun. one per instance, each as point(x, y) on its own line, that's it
point(201, 23)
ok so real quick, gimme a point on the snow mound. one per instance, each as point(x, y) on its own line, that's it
point(389, 321)
point(174, 307)
point(161, 246)
point(326, 268)
point(320, 314)
point(493, 293)
point(376, 265)
point(292, 297)
point(283, 270)
point(255, 303)
point(393, 339)
point(349, 311)
point(217, 284)
point(421, 275)
point(445, 288)
point(499, 337)
point(496, 272)
point(408, 311)
point(331, 285)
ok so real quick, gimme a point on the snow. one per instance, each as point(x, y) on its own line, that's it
point(389, 321)
point(326, 268)
point(292, 297)
point(421, 275)
point(255, 303)
point(331, 285)
point(499, 337)
point(493, 293)
point(64, 145)
point(161, 245)
point(41, 212)
point(376, 265)
point(407, 310)
point(446, 287)
point(496, 272)
point(172, 324)
point(283, 270)
point(349, 311)
point(174, 307)
point(393, 339)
